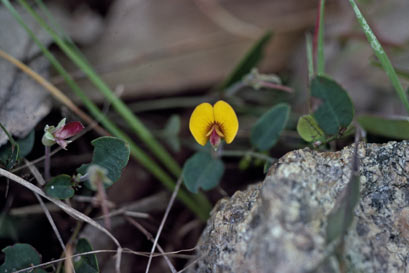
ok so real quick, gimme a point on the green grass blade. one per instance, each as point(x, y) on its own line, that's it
point(58, 28)
point(251, 59)
point(310, 60)
point(320, 42)
point(201, 210)
point(399, 71)
point(135, 124)
point(381, 55)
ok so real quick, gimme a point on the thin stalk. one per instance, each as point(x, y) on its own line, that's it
point(102, 198)
point(319, 38)
point(162, 224)
point(47, 163)
point(150, 238)
point(57, 26)
point(310, 60)
point(135, 124)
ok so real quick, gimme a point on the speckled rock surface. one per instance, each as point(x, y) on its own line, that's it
point(279, 225)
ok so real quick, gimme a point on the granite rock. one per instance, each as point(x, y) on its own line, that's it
point(279, 225)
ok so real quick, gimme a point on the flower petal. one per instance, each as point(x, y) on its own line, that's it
point(225, 116)
point(69, 130)
point(201, 121)
point(61, 123)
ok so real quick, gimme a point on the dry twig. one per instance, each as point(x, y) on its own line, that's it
point(150, 238)
point(162, 224)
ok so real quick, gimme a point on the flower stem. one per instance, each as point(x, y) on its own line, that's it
point(47, 164)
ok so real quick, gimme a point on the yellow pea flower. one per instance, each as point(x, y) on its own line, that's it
point(213, 123)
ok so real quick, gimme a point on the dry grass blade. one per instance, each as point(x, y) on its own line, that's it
point(68, 266)
point(40, 180)
point(150, 238)
point(189, 265)
point(51, 221)
point(162, 224)
point(124, 250)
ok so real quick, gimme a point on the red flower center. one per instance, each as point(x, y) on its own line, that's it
point(215, 135)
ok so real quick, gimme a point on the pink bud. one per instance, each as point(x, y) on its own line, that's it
point(69, 130)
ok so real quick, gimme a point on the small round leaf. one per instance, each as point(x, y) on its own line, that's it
point(110, 153)
point(20, 256)
point(266, 132)
point(60, 187)
point(308, 129)
point(86, 263)
point(202, 171)
point(336, 110)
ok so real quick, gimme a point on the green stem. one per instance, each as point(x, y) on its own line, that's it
point(310, 59)
point(47, 164)
point(320, 45)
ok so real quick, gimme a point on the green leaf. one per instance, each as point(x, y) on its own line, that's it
point(266, 132)
point(86, 263)
point(20, 256)
point(12, 156)
point(250, 60)
point(267, 166)
point(60, 187)
point(381, 55)
point(171, 133)
point(245, 162)
point(8, 229)
point(172, 127)
point(336, 111)
point(308, 129)
point(202, 171)
point(386, 127)
point(111, 153)
point(25, 146)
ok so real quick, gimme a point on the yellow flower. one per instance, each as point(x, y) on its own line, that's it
point(214, 123)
